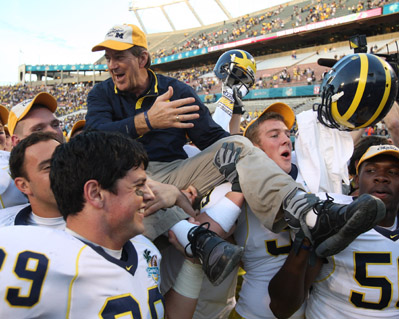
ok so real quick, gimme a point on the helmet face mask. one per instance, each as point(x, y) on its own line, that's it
point(357, 92)
point(236, 67)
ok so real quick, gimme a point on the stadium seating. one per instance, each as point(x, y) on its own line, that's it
point(72, 98)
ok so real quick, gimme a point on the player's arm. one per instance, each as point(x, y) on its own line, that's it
point(181, 299)
point(290, 285)
point(238, 110)
point(166, 196)
point(234, 124)
point(223, 215)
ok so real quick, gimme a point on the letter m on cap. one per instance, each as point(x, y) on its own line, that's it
point(119, 35)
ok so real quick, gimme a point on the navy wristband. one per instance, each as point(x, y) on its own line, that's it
point(147, 121)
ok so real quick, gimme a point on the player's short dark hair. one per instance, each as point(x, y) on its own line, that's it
point(361, 147)
point(252, 131)
point(17, 156)
point(102, 156)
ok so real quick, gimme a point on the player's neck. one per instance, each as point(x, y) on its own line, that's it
point(44, 210)
point(389, 219)
point(97, 233)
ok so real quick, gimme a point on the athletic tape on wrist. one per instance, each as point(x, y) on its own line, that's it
point(225, 213)
point(189, 281)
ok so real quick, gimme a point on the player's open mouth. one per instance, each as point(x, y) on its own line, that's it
point(380, 194)
point(119, 76)
point(141, 211)
point(286, 154)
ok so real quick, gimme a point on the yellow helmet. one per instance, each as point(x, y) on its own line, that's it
point(236, 67)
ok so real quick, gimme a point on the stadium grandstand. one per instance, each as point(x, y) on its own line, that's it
point(286, 40)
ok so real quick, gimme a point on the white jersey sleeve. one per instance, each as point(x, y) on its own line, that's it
point(322, 165)
point(361, 281)
point(47, 273)
point(10, 195)
point(7, 215)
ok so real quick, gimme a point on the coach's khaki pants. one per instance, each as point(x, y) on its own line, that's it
point(263, 183)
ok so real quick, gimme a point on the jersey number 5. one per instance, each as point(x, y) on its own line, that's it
point(362, 260)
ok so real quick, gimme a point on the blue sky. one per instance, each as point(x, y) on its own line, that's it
point(63, 32)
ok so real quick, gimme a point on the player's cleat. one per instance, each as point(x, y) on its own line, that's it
point(218, 257)
point(337, 225)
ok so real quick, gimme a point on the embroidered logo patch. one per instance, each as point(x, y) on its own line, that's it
point(153, 268)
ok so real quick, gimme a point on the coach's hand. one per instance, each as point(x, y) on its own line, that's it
point(166, 114)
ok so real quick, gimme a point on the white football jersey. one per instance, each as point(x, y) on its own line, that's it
point(361, 281)
point(23, 215)
point(7, 215)
point(264, 254)
point(47, 273)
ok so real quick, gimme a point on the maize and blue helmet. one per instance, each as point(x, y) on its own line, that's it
point(357, 92)
point(236, 67)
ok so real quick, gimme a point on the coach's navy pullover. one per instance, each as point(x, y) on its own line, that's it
point(112, 110)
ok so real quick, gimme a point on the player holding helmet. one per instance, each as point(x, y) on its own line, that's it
point(236, 68)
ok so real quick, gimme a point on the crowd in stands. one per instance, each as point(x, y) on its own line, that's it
point(204, 82)
point(241, 28)
point(70, 99)
point(267, 22)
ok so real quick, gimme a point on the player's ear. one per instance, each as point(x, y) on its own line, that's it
point(23, 185)
point(14, 140)
point(93, 193)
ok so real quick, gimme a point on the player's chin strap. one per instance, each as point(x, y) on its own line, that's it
point(298, 244)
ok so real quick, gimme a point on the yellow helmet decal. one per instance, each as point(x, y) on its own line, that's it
point(364, 68)
point(337, 116)
point(245, 62)
point(384, 97)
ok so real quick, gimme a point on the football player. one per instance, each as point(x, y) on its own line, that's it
point(9, 194)
point(29, 116)
point(94, 268)
point(30, 168)
point(265, 251)
point(360, 280)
